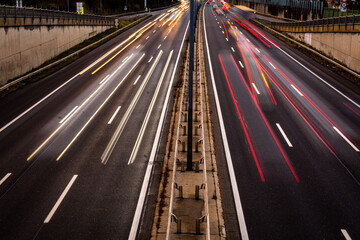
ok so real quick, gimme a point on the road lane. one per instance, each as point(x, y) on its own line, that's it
point(299, 192)
point(102, 200)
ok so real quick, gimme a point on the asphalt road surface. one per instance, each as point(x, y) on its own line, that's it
point(288, 129)
point(77, 148)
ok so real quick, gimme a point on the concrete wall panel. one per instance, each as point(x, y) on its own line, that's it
point(344, 47)
point(25, 48)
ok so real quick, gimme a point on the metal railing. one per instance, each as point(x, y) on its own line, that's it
point(15, 12)
point(347, 20)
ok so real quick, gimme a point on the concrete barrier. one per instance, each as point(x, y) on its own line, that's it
point(26, 47)
point(345, 47)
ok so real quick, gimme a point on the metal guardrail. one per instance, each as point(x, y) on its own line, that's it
point(12, 11)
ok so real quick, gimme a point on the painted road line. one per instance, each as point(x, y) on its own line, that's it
point(241, 64)
point(147, 37)
point(318, 77)
point(346, 139)
point(235, 190)
point(159, 46)
point(78, 109)
point(137, 79)
point(68, 114)
point(227, 39)
point(165, 37)
point(97, 111)
point(346, 234)
point(113, 49)
point(272, 65)
point(297, 90)
point(148, 113)
point(104, 79)
point(36, 104)
point(138, 46)
point(114, 115)
point(144, 187)
point(124, 59)
point(257, 50)
point(114, 139)
point(4, 178)
point(61, 198)
point(150, 59)
point(223, 32)
point(284, 135)
point(257, 91)
point(232, 49)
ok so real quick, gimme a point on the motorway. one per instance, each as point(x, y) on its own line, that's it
point(287, 128)
point(77, 148)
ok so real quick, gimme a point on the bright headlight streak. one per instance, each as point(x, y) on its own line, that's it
point(137, 36)
point(167, 14)
point(147, 116)
point(159, 17)
point(114, 49)
point(77, 110)
point(101, 106)
point(114, 139)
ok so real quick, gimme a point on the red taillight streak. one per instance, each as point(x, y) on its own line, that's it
point(243, 124)
point(322, 113)
point(248, 72)
point(267, 88)
point(257, 36)
point(225, 30)
point(352, 109)
point(261, 34)
point(270, 130)
point(302, 115)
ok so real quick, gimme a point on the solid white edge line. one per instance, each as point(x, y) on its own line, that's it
point(241, 64)
point(257, 91)
point(318, 77)
point(346, 139)
point(67, 115)
point(235, 190)
point(36, 104)
point(148, 113)
point(297, 90)
point(115, 138)
point(62, 196)
point(4, 178)
point(141, 201)
point(346, 234)
point(284, 135)
point(114, 115)
point(137, 79)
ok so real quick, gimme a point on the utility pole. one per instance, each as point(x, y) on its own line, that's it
point(191, 70)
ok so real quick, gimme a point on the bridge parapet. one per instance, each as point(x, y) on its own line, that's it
point(344, 24)
point(11, 16)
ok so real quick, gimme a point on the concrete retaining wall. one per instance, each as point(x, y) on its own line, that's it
point(26, 47)
point(344, 47)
